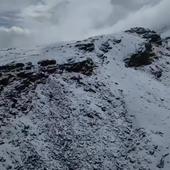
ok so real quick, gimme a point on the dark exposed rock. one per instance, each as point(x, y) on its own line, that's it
point(76, 78)
point(11, 66)
point(139, 30)
point(49, 69)
point(2, 142)
point(20, 87)
point(148, 34)
point(89, 47)
point(47, 62)
point(18, 65)
point(141, 58)
point(28, 66)
point(105, 47)
point(157, 73)
point(34, 162)
point(25, 74)
point(4, 80)
point(85, 67)
point(153, 38)
point(37, 76)
point(29, 76)
point(117, 41)
point(1, 88)
point(2, 159)
point(162, 161)
point(167, 38)
point(24, 84)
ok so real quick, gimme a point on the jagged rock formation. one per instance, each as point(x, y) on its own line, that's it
point(29, 75)
point(141, 57)
point(146, 55)
point(148, 34)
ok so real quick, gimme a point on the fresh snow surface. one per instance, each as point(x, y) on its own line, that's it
point(116, 119)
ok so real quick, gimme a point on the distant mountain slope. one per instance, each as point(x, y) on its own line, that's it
point(98, 104)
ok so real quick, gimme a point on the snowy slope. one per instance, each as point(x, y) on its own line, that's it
point(118, 117)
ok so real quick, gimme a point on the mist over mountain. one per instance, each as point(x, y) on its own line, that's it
point(26, 23)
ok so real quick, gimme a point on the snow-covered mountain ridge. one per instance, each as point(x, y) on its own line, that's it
point(101, 103)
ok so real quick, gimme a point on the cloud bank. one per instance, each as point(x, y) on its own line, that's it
point(29, 22)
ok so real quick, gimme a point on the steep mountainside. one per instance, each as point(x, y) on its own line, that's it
point(98, 104)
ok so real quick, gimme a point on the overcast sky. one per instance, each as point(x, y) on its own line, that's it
point(31, 22)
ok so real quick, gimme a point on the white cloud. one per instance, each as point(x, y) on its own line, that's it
point(47, 21)
point(14, 29)
point(154, 17)
point(13, 36)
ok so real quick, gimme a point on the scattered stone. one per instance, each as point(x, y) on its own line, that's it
point(156, 71)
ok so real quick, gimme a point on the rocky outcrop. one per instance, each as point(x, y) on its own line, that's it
point(47, 62)
point(11, 66)
point(28, 74)
point(147, 34)
point(141, 58)
point(85, 67)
